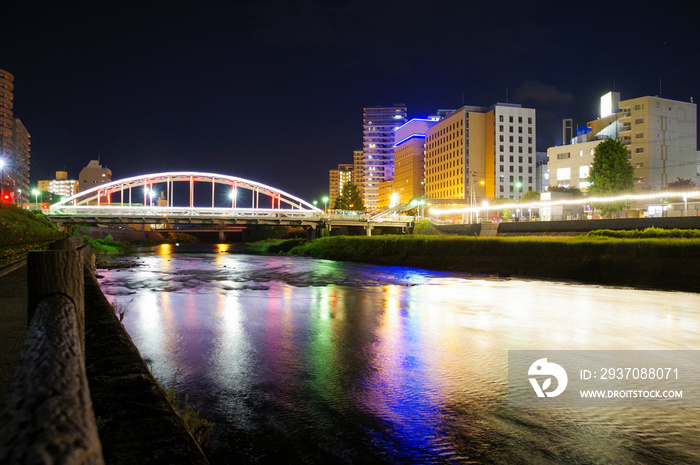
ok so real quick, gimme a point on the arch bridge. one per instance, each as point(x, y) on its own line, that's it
point(199, 199)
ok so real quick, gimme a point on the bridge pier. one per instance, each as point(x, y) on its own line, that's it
point(369, 229)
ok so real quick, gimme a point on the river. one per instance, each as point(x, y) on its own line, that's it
point(299, 360)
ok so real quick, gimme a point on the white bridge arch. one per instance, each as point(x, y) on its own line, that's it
point(170, 197)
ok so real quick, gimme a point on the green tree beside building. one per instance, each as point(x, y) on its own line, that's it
point(611, 174)
point(349, 198)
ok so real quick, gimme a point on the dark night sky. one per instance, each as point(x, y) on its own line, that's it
point(273, 91)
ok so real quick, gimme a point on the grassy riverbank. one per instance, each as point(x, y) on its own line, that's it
point(651, 263)
point(22, 231)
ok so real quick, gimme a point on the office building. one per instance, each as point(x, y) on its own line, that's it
point(379, 124)
point(490, 149)
point(61, 186)
point(409, 158)
point(93, 175)
point(660, 136)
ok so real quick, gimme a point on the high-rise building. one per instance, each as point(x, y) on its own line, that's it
point(409, 158)
point(93, 175)
point(19, 164)
point(14, 145)
point(490, 150)
point(660, 136)
point(379, 124)
point(358, 171)
point(336, 180)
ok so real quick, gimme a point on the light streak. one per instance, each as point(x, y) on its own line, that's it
point(433, 211)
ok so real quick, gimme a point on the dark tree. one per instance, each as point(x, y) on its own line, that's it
point(681, 185)
point(349, 198)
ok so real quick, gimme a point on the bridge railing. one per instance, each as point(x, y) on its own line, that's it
point(48, 416)
point(124, 210)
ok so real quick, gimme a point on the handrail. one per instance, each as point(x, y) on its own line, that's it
point(48, 417)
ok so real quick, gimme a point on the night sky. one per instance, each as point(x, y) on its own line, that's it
point(273, 91)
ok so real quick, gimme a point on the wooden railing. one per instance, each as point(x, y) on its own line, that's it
point(48, 416)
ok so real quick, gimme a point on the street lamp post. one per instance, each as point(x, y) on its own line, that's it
point(36, 195)
point(2, 179)
point(325, 204)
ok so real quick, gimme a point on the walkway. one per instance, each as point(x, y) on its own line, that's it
point(13, 324)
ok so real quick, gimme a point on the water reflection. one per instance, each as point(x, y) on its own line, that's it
point(299, 360)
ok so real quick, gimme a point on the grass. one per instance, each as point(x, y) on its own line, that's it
point(658, 262)
point(22, 231)
point(199, 427)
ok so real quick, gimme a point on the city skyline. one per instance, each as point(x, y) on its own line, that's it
point(148, 88)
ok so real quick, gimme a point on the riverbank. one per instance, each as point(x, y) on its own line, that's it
point(667, 264)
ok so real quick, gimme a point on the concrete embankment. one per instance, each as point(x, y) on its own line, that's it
point(656, 264)
point(137, 425)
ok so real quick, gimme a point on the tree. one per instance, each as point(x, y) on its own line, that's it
point(611, 174)
point(530, 196)
point(349, 198)
point(681, 185)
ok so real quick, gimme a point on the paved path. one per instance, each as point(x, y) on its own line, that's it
point(13, 324)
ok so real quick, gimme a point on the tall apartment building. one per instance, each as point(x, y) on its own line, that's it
point(61, 186)
point(336, 180)
point(660, 136)
point(14, 144)
point(379, 124)
point(490, 149)
point(409, 158)
point(358, 170)
point(94, 174)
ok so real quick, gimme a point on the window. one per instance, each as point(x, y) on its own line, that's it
point(500, 148)
point(639, 135)
point(501, 178)
point(511, 169)
point(520, 159)
point(520, 119)
point(639, 121)
point(511, 149)
point(511, 129)
point(639, 106)
point(510, 119)
point(639, 164)
point(500, 128)
point(529, 120)
point(529, 130)
point(500, 138)
point(500, 118)
point(511, 158)
point(583, 172)
point(520, 129)
point(563, 156)
point(500, 168)
point(520, 169)
point(529, 159)
point(500, 188)
point(511, 179)
point(563, 174)
point(639, 150)
point(501, 158)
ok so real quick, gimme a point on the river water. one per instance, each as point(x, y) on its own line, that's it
point(300, 360)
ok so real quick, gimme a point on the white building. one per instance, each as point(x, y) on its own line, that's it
point(379, 124)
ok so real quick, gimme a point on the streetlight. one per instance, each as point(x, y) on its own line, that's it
point(2, 179)
point(325, 204)
point(232, 196)
point(151, 193)
point(485, 204)
point(36, 195)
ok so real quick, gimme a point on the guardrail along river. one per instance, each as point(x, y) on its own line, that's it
point(299, 360)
